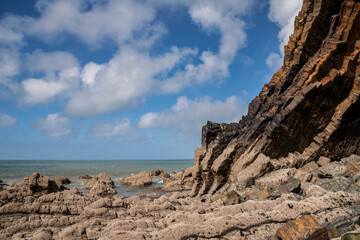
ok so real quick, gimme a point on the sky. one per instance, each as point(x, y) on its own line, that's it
point(131, 79)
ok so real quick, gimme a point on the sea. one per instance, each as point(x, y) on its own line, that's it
point(14, 171)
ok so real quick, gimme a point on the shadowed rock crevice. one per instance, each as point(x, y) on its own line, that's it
point(346, 139)
point(310, 117)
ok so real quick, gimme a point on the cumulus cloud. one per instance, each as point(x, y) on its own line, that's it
point(190, 115)
point(283, 13)
point(133, 73)
point(122, 82)
point(6, 120)
point(8, 36)
point(9, 64)
point(222, 16)
point(106, 130)
point(54, 125)
point(50, 62)
point(62, 75)
point(91, 22)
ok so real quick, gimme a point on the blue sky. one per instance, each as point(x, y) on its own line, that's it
point(131, 79)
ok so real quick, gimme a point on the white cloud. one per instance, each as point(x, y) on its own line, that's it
point(188, 116)
point(92, 22)
point(6, 120)
point(283, 13)
point(133, 73)
point(122, 82)
point(222, 16)
point(54, 125)
point(106, 130)
point(9, 36)
point(274, 61)
point(40, 91)
point(62, 75)
point(9, 64)
point(50, 62)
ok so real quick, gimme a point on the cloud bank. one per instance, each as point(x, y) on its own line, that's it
point(133, 73)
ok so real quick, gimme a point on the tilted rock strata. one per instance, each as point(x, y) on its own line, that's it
point(310, 108)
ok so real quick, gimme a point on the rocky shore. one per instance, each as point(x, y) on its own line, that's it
point(288, 170)
point(325, 194)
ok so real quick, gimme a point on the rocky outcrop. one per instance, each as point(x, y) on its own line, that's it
point(309, 109)
point(71, 215)
point(182, 180)
point(85, 177)
point(259, 212)
point(35, 184)
point(62, 180)
point(139, 180)
point(102, 184)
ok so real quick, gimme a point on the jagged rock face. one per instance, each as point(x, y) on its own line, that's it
point(310, 108)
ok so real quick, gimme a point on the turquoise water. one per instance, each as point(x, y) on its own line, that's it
point(14, 171)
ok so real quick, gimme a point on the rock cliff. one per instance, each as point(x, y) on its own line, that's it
point(310, 108)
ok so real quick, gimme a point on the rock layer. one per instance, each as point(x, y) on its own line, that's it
point(310, 108)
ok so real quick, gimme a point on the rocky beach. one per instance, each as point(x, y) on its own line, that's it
point(289, 169)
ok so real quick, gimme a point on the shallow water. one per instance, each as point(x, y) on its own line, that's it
point(14, 171)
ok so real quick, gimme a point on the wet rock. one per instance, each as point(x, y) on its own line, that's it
point(85, 177)
point(152, 195)
point(3, 185)
point(303, 228)
point(63, 180)
point(139, 180)
point(156, 173)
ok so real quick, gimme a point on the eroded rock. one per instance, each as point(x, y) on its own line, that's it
point(102, 184)
point(139, 180)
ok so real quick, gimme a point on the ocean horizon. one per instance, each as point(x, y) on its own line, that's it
point(14, 171)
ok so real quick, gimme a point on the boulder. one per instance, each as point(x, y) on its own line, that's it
point(156, 173)
point(183, 180)
point(164, 175)
point(139, 180)
point(102, 184)
point(63, 180)
point(303, 228)
point(85, 177)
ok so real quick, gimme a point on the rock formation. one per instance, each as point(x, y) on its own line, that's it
point(310, 108)
point(139, 180)
point(69, 214)
point(101, 184)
